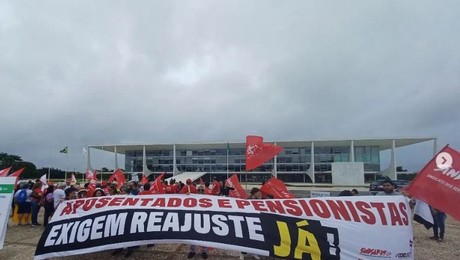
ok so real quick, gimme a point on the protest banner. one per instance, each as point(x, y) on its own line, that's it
point(321, 228)
point(6, 198)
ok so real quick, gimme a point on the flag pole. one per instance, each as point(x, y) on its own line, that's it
point(246, 180)
point(227, 157)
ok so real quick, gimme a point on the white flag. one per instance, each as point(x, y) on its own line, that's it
point(422, 214)
point(44, 180)
point(73, 180)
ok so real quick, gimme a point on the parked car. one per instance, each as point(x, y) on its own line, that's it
point(377, 186)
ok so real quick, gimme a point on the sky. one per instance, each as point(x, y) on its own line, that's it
point(78, 73)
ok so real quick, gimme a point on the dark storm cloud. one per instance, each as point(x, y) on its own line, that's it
point(112, 72)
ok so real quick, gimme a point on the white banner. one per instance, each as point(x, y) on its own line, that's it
point(364, 227)
point(6, 198)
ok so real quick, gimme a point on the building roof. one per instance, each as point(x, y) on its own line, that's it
point(383, 143)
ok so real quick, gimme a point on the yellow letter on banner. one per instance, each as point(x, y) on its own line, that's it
point(304, 237)
point(284, 249)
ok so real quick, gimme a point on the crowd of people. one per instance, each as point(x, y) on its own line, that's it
point(30, 197)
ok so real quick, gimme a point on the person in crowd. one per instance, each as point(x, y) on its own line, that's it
point(48, 204)
point(204, 250)
point(355, 192)
point(216, 187)
point(59, 194)
point(255, 193)
point(125, 190)
point(37, 195)
point(82, 193)
point(388, 188)
point(134, 187)
point(188, 187)
point(207, 190)
point(70, 193)
point(99, 192)
point(225, 191)
point(146, 189)
point(23, 199)
point(345, 193)
point(439, 219)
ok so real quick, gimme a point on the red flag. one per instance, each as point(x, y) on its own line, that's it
point(438, 183)
point(5, 171)
point(157, 185)
point(277, 189)
point(257, 153)
point(119, 176)
point(17, 173)
point(144, 179)
point(201, 181)
point(91, 189)
point(238, 191)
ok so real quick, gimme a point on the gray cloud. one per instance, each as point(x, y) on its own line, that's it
point(110, 72)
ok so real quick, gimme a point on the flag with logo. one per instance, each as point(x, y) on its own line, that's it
point(157, 186)
point(257, 152)
point(64, 150)
point(119, 177)
point(438, 183)
point(276, 188)
point(5, 172)
point(238, 191)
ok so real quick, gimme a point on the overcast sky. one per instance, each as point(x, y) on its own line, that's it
point(77, 73)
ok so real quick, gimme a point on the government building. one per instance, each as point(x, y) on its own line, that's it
point(351, 162)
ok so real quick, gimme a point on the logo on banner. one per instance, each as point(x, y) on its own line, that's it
point(407, 254)
point(374, 252)
point(444, 162)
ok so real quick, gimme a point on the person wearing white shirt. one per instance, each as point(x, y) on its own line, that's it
point(59, 194)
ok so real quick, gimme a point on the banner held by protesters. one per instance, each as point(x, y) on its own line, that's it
point(321, 228)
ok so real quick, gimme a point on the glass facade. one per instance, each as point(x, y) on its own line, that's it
point(292, 162)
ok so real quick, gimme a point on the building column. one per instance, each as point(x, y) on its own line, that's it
point(311, 172)
point(174, 160)
point(352, 151)
point(116, 158)
point(275, 166)
point(145, 169)
point(88, 159)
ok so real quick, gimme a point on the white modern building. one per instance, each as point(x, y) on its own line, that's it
point(351, 162)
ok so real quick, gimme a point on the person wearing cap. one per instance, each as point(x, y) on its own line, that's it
point(82, 193)
point(188, 187)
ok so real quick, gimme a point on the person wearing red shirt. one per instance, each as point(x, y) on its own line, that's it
point(216, 187)
point(188, 188)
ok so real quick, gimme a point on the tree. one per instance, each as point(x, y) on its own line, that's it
point(7, 160)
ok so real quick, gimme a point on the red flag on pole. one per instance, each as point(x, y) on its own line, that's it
point(438, 183)
point(257, 153)
point(157, 185)
point(119, 176)
point(5, 171)
point(277, 189)
point(238, 191)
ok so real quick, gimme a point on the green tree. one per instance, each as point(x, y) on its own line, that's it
point(7, 160)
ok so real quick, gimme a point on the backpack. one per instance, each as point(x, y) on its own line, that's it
point(22, 196)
